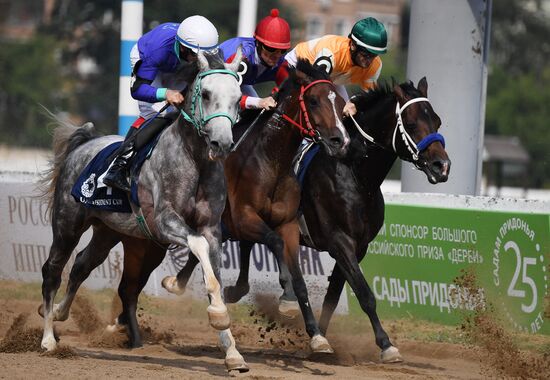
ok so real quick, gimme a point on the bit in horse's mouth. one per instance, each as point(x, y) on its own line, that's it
point(215, 154)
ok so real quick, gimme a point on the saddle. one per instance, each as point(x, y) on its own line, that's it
point(90, 190)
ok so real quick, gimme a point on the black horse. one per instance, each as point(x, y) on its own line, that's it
point(342, 205)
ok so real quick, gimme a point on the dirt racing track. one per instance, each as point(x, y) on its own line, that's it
point(178, 343)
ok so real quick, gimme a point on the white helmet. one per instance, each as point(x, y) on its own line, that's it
point(197, 33)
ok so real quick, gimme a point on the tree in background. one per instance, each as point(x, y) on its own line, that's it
point(30, 76)
point(518, 92)
point(74, 62)
point(72, 65)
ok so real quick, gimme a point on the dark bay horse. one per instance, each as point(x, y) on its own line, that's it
point(181, 190)
point(263, 194)
point(343, 207)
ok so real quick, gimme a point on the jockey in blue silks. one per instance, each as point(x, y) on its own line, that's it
point(262, 58)
point(155, 58)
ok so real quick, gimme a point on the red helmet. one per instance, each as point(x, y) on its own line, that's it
point(273, 31)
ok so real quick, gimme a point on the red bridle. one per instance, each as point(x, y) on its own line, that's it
point(308, 130)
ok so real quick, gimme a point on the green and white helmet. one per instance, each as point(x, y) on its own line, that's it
point(370, 34)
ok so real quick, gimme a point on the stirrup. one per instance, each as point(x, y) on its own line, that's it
point(118, 179)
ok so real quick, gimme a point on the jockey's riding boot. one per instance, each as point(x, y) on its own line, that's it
point(117, 176)
point(152, 129)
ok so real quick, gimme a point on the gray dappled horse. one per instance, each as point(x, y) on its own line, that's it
point(181, 189)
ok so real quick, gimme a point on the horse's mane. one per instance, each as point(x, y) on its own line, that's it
point(295, 77)
point(367, 102)
point(187, 71)
point(313, 71)
point(383, 90)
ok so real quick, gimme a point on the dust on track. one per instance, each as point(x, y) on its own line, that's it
point(182, 345)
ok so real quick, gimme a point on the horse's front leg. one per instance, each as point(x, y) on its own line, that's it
point(177, 284)
point(141, 257)
point(233, 359)
point(290, 234)
point(347, 260)
point(172, 229)
point(241, 288)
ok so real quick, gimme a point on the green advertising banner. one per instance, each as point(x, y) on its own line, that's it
point(412, 263)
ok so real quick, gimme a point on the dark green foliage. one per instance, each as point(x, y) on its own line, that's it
point(30, 75)
point(518, 91)
point(43, 69)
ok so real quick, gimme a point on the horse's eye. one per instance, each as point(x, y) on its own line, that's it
point(313, 102)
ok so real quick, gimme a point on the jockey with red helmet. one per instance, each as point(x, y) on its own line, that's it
point(262, 58)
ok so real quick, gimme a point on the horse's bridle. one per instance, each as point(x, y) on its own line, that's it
point(413, 148)
point(197, 98)
point(308, 130)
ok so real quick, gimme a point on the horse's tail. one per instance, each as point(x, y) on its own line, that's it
point(66, 138)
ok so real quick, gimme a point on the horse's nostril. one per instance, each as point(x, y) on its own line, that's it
point(336, 141)
point(441, 166)
point(214, 143)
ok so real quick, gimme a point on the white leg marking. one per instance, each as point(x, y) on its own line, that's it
point(48, 339)
point(320, 344)
point(200, 248)
point(233, 359)
point(391, 355)
point(170, 283)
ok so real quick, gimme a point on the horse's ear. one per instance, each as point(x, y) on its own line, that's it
point(202, 61)
point(235, 63)
point(398, 91)
point(423, 86)
point(301, 78)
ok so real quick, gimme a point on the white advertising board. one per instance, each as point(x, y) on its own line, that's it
point(26, 237)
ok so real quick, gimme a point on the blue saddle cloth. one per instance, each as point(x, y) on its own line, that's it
point(92, 194)
point(304, 160)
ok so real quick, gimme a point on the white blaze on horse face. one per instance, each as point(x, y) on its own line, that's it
point(339, 124)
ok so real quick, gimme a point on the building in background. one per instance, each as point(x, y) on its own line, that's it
point(322, 17)
point(20, 18)
point(505, 161)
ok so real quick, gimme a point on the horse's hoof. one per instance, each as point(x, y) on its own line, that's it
point(135, 344)
point(57, 316)
point(170, 283)
point(49, 343)
point(115, 328)
point(218, 319)
point(41, 310)
point(391, 355)
point(236, 363)
point(232, 294)
point(289, 309)
point(319, 344)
